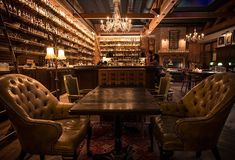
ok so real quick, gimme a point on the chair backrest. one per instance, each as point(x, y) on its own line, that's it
point(71, 85)
point(210, 96)
point(164, 85)
point(25, 97)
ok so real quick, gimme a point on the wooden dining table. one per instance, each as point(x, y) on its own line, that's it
point(117, 102)
point(196, 77)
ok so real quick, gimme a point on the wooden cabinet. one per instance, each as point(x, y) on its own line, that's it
point(124, 50)
point(34, 25)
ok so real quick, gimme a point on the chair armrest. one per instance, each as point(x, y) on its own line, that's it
point(190, 130)
point(61, 111)
point(43, 134)
point(76, 96)
point(173, 109)
point(84, 91)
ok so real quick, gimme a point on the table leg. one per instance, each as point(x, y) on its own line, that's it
point(119, 152)
point(189, 82)
point(118, 134)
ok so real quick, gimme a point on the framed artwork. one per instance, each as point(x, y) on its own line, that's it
point(221, 41)
point(233, 37)
point(174, 39)
point(228, 38)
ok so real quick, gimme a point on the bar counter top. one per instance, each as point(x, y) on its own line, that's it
point(104, 67)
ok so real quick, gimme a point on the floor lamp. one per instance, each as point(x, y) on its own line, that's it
point(50, 56)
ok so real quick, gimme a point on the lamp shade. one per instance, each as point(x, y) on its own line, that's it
point(61, 55)
point(50, 53)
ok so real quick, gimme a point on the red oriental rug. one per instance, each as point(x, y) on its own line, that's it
point(103, 142)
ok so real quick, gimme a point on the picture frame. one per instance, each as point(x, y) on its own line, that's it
point(228, 38)
point(174, 39)
point(233, 37)
point(221, 41)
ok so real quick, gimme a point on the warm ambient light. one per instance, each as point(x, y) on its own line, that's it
point(50, 53)
point(220, 64)
point(61, 55)
point(194, 37)
point(211, 63)
point(116, 22)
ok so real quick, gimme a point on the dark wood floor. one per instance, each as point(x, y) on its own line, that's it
point(226, 142)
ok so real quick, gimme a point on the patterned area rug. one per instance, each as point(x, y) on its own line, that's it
point(103, 142)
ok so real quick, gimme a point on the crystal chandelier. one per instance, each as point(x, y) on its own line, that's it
point(194, 37)
point(116, 22)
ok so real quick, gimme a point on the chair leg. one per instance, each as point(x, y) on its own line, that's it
point(42, 157)
point(22, 155)
point(151, 126)
point(182, 86)
point(216, 153)
point(89, 134)
point(165, 155)
point(198, 154)
point(75, 155)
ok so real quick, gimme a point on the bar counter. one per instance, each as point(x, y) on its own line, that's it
point(88, 76)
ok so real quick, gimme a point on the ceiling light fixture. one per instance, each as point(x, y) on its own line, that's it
point(194, 37)
point(116, 23)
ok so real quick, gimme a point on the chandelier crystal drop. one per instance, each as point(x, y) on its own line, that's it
point(194, 37)
point(116, 23)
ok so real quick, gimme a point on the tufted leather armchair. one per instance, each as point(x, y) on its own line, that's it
point(196, 121)
point(42, 123)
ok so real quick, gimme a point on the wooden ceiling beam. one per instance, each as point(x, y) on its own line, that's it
point(105, 15)
point(220, 26)
point(166, 6)
point(198, 15)
point(118, 33)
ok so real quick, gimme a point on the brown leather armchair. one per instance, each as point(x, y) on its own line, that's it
point(195, 123)
point(42, 123)
point(72, 88)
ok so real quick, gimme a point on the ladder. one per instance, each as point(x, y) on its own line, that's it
point(11, 132)
point(9, 44)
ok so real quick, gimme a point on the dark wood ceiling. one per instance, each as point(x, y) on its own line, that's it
point(205, 13)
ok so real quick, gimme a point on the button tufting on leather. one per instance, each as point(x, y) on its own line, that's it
point(28, 88)
point(18, 102)
point(13, 82)
point(29, 80)
point(20, 80)
point(203, 94)
point(45, 103)
point(225, 90)
point(13, 91)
